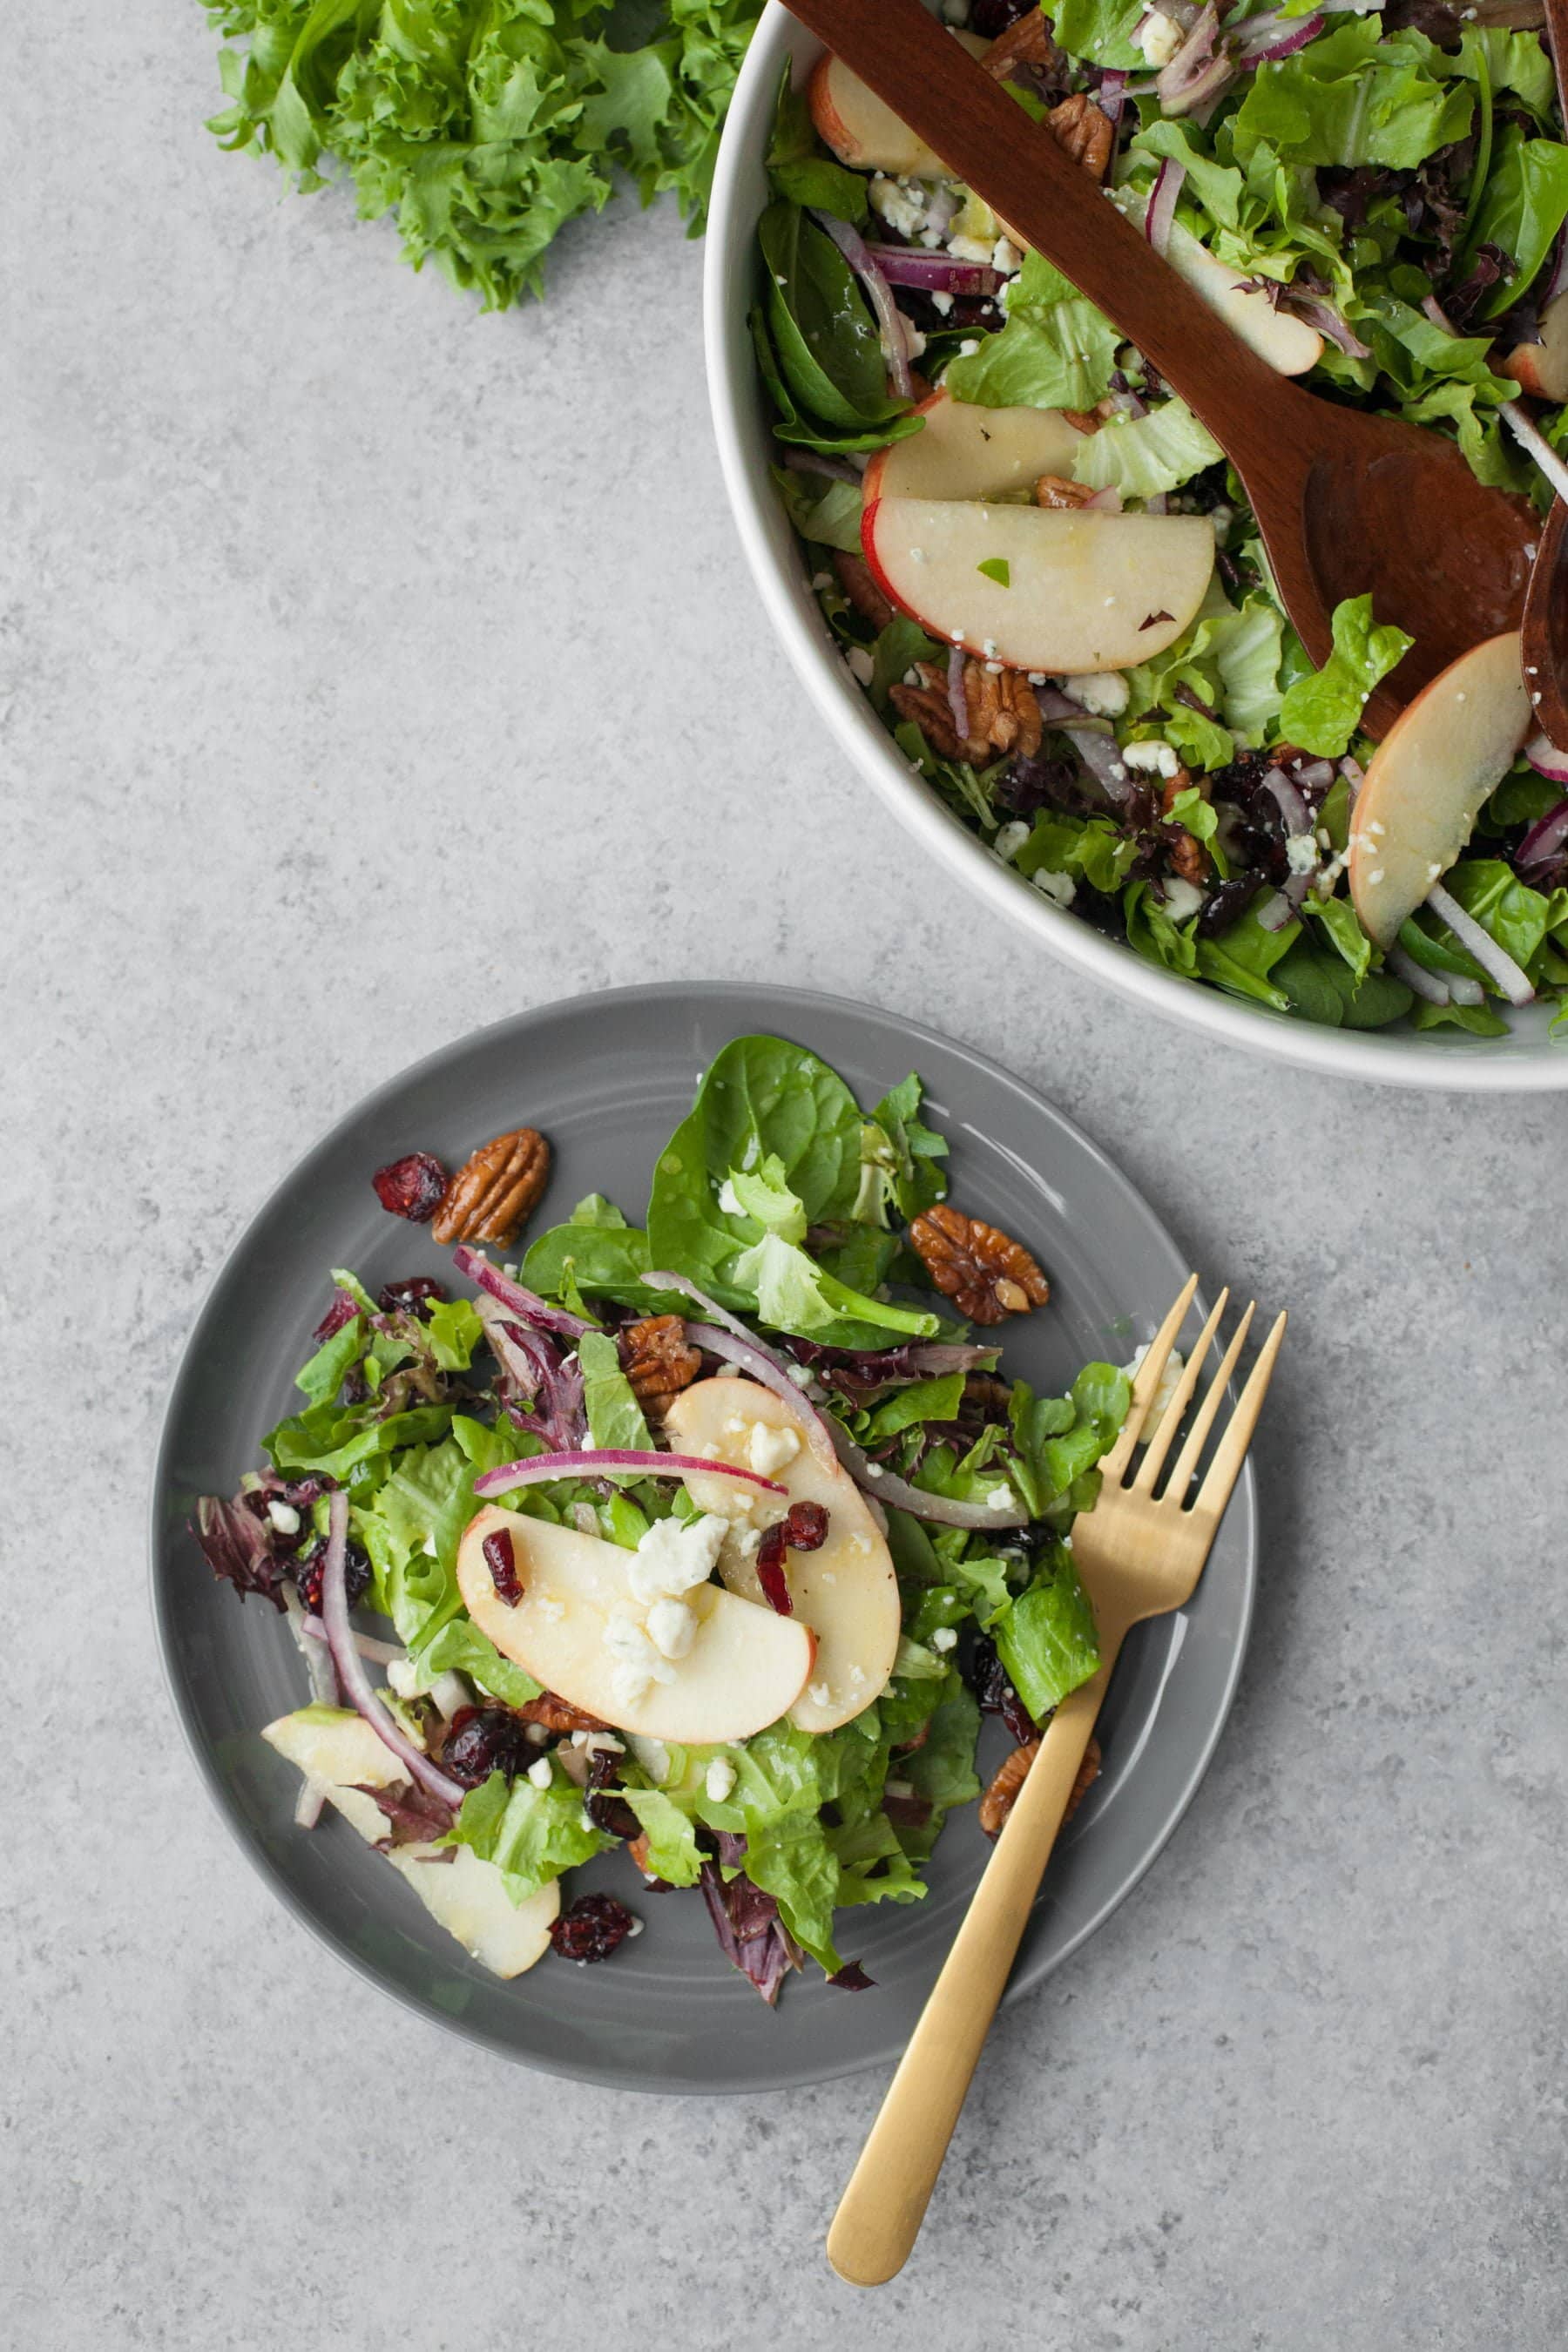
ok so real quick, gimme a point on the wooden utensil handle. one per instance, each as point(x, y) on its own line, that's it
point(988, 141)
point(880, 2212)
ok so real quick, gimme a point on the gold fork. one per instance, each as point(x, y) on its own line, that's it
point(1139, 1554)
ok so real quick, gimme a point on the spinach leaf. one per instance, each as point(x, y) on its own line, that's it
point(825, 336)
point(801, 174)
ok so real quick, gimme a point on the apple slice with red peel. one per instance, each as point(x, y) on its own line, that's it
point(1541, 369)
point(1286, 343)
point(965, 451)
point(336, 1749)
point(847, 1591)
point(864, 133)
point(1085, 590)
point(745, 1669)
point(1428, 779)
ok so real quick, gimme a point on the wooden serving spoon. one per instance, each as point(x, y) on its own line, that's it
point(1546, 605)
point(1346, 501)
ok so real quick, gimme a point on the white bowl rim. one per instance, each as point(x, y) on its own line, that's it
point(1443, 1061)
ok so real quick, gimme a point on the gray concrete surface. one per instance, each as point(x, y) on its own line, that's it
point(369, 669)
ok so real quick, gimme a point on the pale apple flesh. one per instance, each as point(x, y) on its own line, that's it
point(1085, 591)
point(965, 451)
point(337, 1749)
point(745, 1669)
point(847, 1591)
point(1541, 369)
point(1290, 346)
point(864, 133)
point(1428, 778)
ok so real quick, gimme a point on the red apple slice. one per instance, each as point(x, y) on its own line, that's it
point(1428, 779)
point(1286, 343)
point(964, 451)
point(1541, 368)
point(866, 133)
point(1085, 590)
point(846, 1592)
point(746, 1667)
point(337, 1749)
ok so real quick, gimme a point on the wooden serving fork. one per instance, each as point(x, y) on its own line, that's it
point(1139, 1554)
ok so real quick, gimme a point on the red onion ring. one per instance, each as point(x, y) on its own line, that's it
point(932, 273)
point(600, 1462)
point(1268, 38)
point(1275, 912)
point(1292, 807)
point(1547, 760)
point(1110, 97)
point(1496, 963)
point(1432, 985)
point(351, 1665)
point(879, 294)
point(1092, 738)
point(1546, 835)
point(1161, 210)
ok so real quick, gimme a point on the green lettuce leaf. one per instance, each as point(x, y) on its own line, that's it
point(1056, 351)
point(530, 1834)
point(1321, 712)
point(1355, 96)
point(1047, 1639)
point(1143, 456)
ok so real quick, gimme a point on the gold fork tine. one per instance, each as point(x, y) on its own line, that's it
point(1215, 1492)
point(1147, 1382)
point(1160, 1444)
point(1181, 1477)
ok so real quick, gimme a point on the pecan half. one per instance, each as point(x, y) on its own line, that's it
point(657, 1358)
point(1014, 1771)
point(1089, 420)
point(861, 589)
point(984, 1271)
point(495, 1190)
point(1052, 491)
point(1026, 43)
point(927, 705)
point(1189, 858)
point(1003, 712)
point(558, 1714)
point(1082, 128)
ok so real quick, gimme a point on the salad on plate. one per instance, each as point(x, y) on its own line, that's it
point(710, 1540)
point(1042, 570)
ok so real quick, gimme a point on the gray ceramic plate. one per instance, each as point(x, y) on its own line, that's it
point(609, 1078)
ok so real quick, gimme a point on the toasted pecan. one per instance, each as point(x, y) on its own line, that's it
point(983, 1270)
point(1081, 127)
point(1014, 1771)
point(1055, 490)
point(495, 1190)
point(657, 1359)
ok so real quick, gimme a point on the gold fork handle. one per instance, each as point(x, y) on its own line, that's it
point(880, 2212)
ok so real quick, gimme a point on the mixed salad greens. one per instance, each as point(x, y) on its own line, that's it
point(711, 1538)
point(485, 125)
point(1391, 183)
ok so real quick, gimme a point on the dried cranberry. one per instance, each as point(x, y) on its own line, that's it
point(485, 1739)
point(413, 1187)
point(851, 1977)
point(341, 1310)
point(307, 1575)
point(415, 1296)
point(991, 18)
point(612, 1814)
point(806, 1526)
point(771, 1569)
point(996, 1693)
point(592, 1928)
point(501, 1562)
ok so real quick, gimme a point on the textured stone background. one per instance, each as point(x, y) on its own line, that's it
point(371, 668)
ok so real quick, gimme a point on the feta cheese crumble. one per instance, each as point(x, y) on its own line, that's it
point(542, 1773)
point(945, 1639)
point(1151, 759)
point(674, 1555)
point(719, 1780)
point(768, 1449)
point(1105, 692)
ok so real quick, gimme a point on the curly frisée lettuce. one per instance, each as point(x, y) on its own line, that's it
point(484, 125)
point(1392, 184)
point(793, 1213)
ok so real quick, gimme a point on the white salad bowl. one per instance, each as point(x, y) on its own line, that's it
point(1524, 1060)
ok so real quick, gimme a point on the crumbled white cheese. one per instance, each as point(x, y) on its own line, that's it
point(284, 1518)
point(671, 1627)
point(1005, 257)
point(944, 1638)
point(942, 303)
point(674, 1555)
point(1010, 839)
point(915, 341)
point(1159, 37)
point(1060, 888)
point(729, 1201)
point(1000, 1499)
point(1301, 854)
point(969, 346)
point(1151, 759)
point(541, 1772)
point(1182, 898)
point(719, 1780)
point(861, 666)
point(901, 206)
point(819, 1694)
point(1105, 692)
point(768, 1449)
point(637, 1662)
point(970, 248)
point(1169, 1379)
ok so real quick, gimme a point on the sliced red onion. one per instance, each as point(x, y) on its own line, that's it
point(1540, 448)
point(380, 1654)
point(1094, 740)
point(932, 273)
point(1276, 912)
point(1110, 96)
point(1266, 39)
point(1429, 984)
point(606, 1461)
point(1545, 838)
point(1292, 807)
point(1465, 991)
point(1314, 775)
point(318, 1661)
point(723, 1336)
point(957, 700)
point(810, 461)
point(1161, 210)
point(308, 1804)
point(1196, 75)
point(1547, 760)
point(524, 1304)
point(1106, 501)
point(879, 294)
point(1496, 963)
point(351, 1665)
point(883, 1486)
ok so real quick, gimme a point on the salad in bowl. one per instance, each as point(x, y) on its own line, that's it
point(1042, 574)
point(709, 1541)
